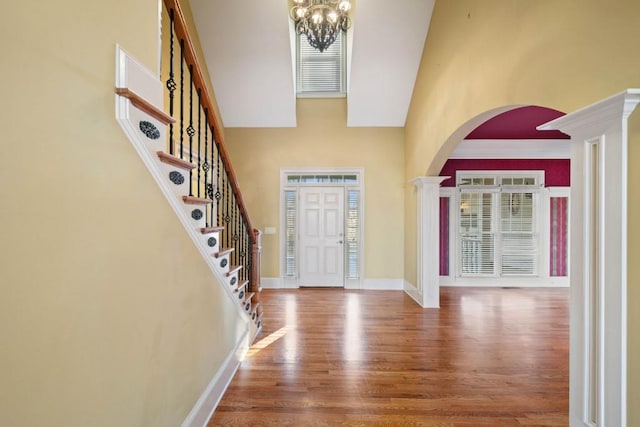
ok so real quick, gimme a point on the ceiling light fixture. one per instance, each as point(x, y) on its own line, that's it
point(321, 20)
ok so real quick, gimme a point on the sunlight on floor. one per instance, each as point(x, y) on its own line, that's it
point(267, 341)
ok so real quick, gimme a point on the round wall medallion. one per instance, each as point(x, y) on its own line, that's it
point(196, 214)
point(224, 262)
point(241, 295)
point(212, 242)
point(247, 306)
point(176, 177)
point(149, 129)
point(234, 280)
point(253, 316)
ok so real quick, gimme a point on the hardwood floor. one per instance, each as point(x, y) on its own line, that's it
point(327, 357)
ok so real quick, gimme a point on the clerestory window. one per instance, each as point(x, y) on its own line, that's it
point(321, 74)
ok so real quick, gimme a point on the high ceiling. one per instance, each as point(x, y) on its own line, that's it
point(249, 51)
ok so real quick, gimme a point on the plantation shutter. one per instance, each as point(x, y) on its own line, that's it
point(320, 71)
point(477, 237)
point(353, 234)
point(290, 207)
point(519, 240)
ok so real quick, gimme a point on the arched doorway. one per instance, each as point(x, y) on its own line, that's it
point(598, 323)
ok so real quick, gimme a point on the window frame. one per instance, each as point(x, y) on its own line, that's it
point(342, 92)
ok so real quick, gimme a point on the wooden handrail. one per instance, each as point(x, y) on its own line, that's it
point(180, 27)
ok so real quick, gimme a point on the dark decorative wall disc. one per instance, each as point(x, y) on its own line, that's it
point(149, 129)
point(176, 177)
point(247, 306)
point(241, 295)
point(234, 280)
point(212, 242)
point(196, 214)
point(224, 262)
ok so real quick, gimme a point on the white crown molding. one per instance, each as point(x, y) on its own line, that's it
point(512, 149)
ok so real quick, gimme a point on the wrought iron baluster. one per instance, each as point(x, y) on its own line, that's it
point(243, 252)
point(227, 217)
point(171, 83)
point(235, 227)
point(218, 186)
point(182, 98)
point(199, 154)
point(213, 187)
point(190, 129)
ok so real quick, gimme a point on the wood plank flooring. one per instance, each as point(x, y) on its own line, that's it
point(330, 357)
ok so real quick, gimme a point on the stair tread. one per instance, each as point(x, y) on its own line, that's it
point(209, 230)
point(172, 160)
point(249, 296)
point(191, 200)
point(144, 105)
point(224, 252)
point(233, 269)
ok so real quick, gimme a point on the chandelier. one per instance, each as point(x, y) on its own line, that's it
point(321, 20)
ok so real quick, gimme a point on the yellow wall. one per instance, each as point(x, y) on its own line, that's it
point(634, 270)
point(479, 56)
point(108, 315)
point(322, 139)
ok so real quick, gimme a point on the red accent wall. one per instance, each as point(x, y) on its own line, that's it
point(557, 171)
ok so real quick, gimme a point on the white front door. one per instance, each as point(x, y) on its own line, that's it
point(322, 236)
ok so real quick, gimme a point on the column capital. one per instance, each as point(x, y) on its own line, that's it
point(422, 181)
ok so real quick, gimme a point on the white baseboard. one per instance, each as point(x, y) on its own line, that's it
point(368, 284)
point(505, 282)
point(412, 291)
point(383, 284)
point(271, 283)
point(210, 397)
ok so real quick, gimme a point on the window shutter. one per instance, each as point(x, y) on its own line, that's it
point(290, 208)
point(477, 237)
point(519, 249)
point(353, 234)
point(320, 71)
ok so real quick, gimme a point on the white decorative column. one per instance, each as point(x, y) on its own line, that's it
point(598, 324)
point(428, 262)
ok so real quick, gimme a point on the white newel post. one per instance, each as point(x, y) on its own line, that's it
point(428, 262)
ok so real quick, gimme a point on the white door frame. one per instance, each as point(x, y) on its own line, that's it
point(293, 281)
point(598, 336)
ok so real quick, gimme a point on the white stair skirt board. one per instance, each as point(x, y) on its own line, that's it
point(208, 401)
